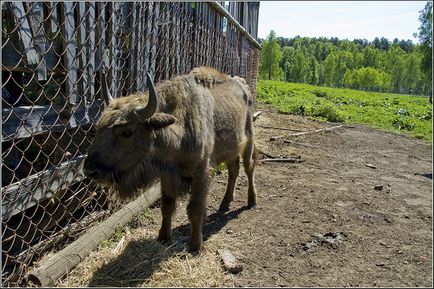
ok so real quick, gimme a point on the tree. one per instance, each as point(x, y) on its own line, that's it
point(330, 70)
point(271, 55)
point(425, 38)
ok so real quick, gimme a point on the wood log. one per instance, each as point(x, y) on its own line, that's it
point(316, 131)
point(67, 232)
point(279, 128)
point(282, 160)
point(62, 262)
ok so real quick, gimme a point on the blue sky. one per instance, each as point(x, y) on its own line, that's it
point(342, 19)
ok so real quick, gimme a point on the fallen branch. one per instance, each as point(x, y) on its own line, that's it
point(279, 128)
point(299, 143)
point(282, 160)
point(268, 155)
point(257, 114)
point(316, 131)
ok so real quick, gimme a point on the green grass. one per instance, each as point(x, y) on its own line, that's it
point(116, 237)
point(407, 114)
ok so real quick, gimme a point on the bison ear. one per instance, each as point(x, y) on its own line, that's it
point(160, 120)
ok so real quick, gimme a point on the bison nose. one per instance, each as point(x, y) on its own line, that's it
point(89, 167)
point(90, 173)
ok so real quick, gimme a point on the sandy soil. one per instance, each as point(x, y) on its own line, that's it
point(356, 211)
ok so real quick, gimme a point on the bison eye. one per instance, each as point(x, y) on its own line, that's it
point(126, 133)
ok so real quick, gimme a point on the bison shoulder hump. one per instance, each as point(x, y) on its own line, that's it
point(209, 76)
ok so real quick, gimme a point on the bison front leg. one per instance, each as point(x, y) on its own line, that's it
point(168, 206)
point(196, 208)
point(233, 170)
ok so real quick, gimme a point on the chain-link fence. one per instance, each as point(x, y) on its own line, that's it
point(54, 55)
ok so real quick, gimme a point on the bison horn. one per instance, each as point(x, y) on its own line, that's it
point(106, 91)
point(146, 112)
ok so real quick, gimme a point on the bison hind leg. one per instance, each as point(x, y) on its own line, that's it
point(233, 170)
point(249, 157)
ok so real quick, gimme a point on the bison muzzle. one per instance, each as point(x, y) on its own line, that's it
point(174, 133)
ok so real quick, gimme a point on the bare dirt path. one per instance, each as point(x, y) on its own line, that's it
point(357, 211)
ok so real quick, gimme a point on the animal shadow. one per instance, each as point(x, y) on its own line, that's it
point(142, 257)
point(426, 175)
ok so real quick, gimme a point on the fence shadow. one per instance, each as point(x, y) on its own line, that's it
point(141, 258)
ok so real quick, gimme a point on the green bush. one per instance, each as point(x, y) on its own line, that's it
point(327, 111)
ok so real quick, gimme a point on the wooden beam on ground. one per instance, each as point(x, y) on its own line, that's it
point(317, 130)
point(282, 160)
point(62, 262)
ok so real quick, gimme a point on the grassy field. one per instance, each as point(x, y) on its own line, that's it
point(411, 115)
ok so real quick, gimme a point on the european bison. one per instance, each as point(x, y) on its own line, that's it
point(174, 133)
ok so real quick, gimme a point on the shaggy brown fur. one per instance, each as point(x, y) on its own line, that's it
point(202, 119)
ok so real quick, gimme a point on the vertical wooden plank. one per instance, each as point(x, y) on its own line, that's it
point(125, 46)
point(164, 40)
point(36, 19)
point(54, 17)
point(196, 36)
point(154, 37)
point(92, 49)
point(133, 58)
point(71, 59)
point(168, 39)
point(24, 32)
point(115, 51)
point(83, 52)
point(176, 30)
point(102, 61)
point(148, 30)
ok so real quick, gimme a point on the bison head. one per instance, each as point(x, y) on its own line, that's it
point(123, 154)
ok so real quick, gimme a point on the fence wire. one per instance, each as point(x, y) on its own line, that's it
point(54, 55)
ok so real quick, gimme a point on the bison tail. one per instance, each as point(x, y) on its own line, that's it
point(255, 154)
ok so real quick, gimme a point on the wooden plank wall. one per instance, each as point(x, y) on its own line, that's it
point(74, 45)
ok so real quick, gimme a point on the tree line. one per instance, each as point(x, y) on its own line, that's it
point(397, 66)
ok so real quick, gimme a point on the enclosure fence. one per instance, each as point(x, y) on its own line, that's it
point(54, 55)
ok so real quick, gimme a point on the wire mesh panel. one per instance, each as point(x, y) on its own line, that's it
point(54, 55)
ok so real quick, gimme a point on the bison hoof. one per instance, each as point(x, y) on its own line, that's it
point(224, 208)
point(164, 239)
point(251, 206)
point(193, 250)
point(194, 247)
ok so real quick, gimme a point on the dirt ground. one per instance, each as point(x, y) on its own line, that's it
point(356, 211)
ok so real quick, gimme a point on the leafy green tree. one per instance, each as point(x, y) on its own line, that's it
point(396, 68)
point(345, 62)
point(314, 71)
point(425, 38)
point(287, 60)
point(330, 70)
point(347, 80)
point(271, 54)
point(412, 74)
point(369, 78)
point(332, 62)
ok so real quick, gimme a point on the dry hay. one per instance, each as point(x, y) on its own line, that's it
point(138, 260)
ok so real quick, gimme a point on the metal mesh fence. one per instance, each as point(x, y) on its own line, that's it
point(54, 55)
